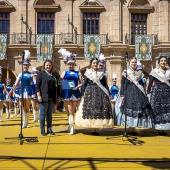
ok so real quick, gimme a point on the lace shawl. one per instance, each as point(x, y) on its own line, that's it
point(134, 76)
point(164, 78)
point(96, 76)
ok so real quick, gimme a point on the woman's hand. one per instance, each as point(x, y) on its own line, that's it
point(122, 98)
point(76, 88)
point(59, 99)
point(9, 93)
point(39, 99)
point(148, 96)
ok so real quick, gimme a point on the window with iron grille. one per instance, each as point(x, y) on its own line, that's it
point(5, 24)
point(138, 25)
point(91, 23)
point(45, 23)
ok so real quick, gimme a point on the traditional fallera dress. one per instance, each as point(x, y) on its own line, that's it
point(69, 94)
point(159, 88)
point(138, 109)
point(95, 109)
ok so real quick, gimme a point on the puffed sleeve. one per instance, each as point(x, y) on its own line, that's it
point(84, 85)
point(104, 83)
point(122, 89)
point(151, 80)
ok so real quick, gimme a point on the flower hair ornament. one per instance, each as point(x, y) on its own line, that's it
point(114, 78)
point(34, 71)
point(101, 59)
point(139, 65)
point(67, 56)
point(26, 58)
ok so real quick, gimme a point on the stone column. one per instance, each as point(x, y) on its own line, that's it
point(116, 21)
point(163, 19)
point(114, 64)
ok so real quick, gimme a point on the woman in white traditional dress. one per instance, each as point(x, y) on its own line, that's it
point(133, 101)
point(159, 95)
point(95, 109)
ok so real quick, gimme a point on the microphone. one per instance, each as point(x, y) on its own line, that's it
point(126, 57)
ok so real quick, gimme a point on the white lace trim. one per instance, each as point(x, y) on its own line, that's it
point(91, 74)
point(161, 76)
point(91, 123)
point(133, 74)
point(134, 78)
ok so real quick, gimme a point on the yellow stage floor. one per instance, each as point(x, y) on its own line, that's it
point(80, 151)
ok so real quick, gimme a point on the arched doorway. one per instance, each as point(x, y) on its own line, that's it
point(11, 76)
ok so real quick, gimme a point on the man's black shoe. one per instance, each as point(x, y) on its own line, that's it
point(49, 131)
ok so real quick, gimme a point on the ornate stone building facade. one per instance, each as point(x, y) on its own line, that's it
point(117, 21)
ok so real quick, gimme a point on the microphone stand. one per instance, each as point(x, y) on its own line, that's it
point(131, 139)
point(20, 136)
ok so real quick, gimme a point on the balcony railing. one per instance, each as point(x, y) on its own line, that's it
point(130, 39)
point(63, 38)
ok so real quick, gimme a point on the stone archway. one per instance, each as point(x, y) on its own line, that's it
point(83, 65)
point(44, 2)
point(139, 3)
point(12, 76)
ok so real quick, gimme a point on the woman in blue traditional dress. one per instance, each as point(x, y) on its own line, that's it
point(159, 95)
point(71, 96)
point(114, 89)
point(2, 95)
point(133, 101)
point(101, 63)
point(95, 109)
point(15, 100)
point(8, 103)
point(35, 108)
point(24, 80)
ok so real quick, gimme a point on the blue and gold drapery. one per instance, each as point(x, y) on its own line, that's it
point(92, 45)
point(3, 45)
point(44, 47)
point(143, 47)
